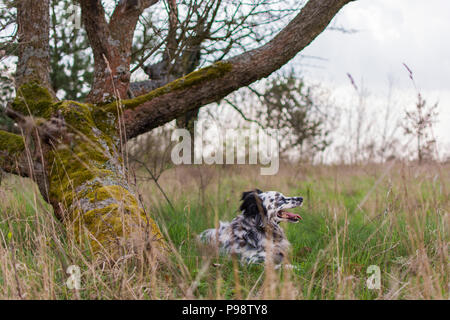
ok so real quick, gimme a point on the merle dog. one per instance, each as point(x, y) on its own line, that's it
point(256, 231)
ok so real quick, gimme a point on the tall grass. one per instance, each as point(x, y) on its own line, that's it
point(395, 216)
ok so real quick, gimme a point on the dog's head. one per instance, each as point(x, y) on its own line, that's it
point(269, 207)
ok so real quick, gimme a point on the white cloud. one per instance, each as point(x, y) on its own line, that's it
point(414, 32)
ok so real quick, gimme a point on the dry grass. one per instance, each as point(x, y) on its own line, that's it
point(395, 216)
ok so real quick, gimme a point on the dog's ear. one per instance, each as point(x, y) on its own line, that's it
point(245, 194)
point(251, 207)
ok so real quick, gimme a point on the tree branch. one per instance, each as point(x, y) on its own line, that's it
point(215, 82)
point(235, 107)
point(124, 19)
point(111, 41)
point(94, 20)
point(101, 42)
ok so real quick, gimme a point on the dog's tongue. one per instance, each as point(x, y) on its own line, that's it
point(293, 215)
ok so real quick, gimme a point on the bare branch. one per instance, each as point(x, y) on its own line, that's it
point(235, 107)
point(215, 82)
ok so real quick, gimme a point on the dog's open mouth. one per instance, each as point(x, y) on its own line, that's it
point(291, 217)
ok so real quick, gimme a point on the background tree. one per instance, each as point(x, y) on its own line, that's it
point(418, 123)
point(289, 106)
point(74, 151)
point(70, 55)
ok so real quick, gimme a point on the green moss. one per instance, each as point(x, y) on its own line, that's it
point(121, 219)
point(216, 70)
point(114, 192)
point(85, 174)
point(84, 158)
point(105, 120)
point(73, 168)
point(34, 99)
point(11, 143)
point(78, 115)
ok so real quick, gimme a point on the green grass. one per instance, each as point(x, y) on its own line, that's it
point(344, 230)
point(353, 217)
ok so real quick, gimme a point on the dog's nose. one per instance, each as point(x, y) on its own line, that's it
point(299, 199)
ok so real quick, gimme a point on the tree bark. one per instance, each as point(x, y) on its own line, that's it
point(33, 47)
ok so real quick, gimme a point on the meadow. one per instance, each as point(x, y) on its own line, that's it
point(393, 215)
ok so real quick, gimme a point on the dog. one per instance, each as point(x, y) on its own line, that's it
point(256, 231)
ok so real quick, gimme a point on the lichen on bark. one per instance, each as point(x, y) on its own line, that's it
point(87, 180)
point(216, 70)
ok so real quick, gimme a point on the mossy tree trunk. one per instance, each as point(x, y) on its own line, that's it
point(86, 180)
point(74, 151)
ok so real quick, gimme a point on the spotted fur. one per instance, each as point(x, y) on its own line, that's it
point(256, 229)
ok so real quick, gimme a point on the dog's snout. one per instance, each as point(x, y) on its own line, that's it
point(299, 199)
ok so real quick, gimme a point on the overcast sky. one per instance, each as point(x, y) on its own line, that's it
point(390, 33)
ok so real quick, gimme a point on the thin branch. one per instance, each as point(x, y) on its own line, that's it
point(213, 83)
point(155, 179)
point(235, 107)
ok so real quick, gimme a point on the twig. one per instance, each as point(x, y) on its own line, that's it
point(156, 181)
point(243, 115)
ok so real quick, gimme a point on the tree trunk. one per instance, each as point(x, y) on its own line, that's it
point(86, 178)
point(73, 150)
point(34, 53)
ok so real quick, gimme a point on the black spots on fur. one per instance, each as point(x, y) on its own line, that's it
point(246, 223)
point(255, 257)
point(277, 233)
point(252, 238)
point(261, 257)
